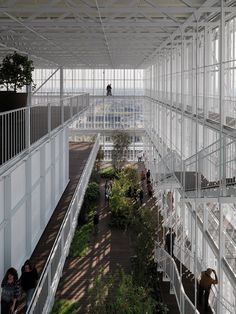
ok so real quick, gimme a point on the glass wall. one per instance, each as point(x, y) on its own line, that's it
point(94, 81)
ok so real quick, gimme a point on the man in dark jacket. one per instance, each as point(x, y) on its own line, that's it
point(170, 241)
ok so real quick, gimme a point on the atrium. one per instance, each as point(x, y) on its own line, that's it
point(172, 68)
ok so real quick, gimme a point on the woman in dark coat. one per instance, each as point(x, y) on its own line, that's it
point(10, 291)
point(29, 279)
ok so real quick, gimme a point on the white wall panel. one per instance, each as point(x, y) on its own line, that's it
point(2, 253)
point(35, 167)
point(57, 178)
point(35, 214)
point(1, 200)
point(18, 181)
point(48, 192)
point(40, 204)
point(18, 237)
point(57, 151)
point(48, 155)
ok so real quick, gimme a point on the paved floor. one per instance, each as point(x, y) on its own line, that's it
point(108, 248)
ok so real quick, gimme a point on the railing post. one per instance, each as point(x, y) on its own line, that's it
point(61, 94)
point(49, 120)
point(71, 109)
point(27, 116)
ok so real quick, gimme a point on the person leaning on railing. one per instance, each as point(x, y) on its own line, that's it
point(205, 286)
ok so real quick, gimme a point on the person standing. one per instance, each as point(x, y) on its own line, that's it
point(10, 291)
point(28, 281)
point(142, 175)
point(170, 201)
point(139, 156)
point(205, 286)
point(95, 223)
point(141, 194)
point(170, 241)
point(148, 175)
point(109, 88)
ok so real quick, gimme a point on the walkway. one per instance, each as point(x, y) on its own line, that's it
point(108, 248)
point(78, 156)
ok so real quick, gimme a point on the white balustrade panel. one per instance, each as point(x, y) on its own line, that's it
point(29, 193)
point(57, 179)
point(35, 216)
point(35, 167)
point(48, 193)
point(1, 251)
point(18, 185)
point(1, 201)
point(18, 237)
point(48, 155)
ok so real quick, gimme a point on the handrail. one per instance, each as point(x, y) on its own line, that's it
point(184, 303)
point(21, 128)
point(204, 266)
point(79, 193)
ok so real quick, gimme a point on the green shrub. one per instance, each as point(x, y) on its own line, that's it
point(145, 227)
point(119, 294)
point(92, 193)
point(95, 176)
point(81, 239)
point(107, 173)
point(120, 206)
point(63, 306)
point(131, 176)
point(162, 308)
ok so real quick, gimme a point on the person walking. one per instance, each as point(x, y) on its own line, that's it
point(95, 223)
point(170, 241)
point(205, 286)
point(10, 291)
point(28, 280)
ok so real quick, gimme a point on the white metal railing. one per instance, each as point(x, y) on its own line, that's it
point(168, 265)
point(116, 112)
point(186, 257)
point(21, 128)
point(43, 297)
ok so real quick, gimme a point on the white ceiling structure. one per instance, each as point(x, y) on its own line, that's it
point(96, 33)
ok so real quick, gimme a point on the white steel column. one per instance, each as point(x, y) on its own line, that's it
point(27, 117)
point(62, 94)
point(222, 164)
point(197, 161)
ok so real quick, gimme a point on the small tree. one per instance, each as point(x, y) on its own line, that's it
point(16, 71)
point(121, 141)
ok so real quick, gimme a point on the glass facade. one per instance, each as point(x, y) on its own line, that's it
point(94, 81)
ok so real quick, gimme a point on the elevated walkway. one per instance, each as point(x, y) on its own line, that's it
point(47, 256)
point(78, 156)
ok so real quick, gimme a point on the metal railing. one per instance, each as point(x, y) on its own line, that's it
point(186, 257)
point(43, 297)
point(116, 112)
point(21, 128)
point(168, 265)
